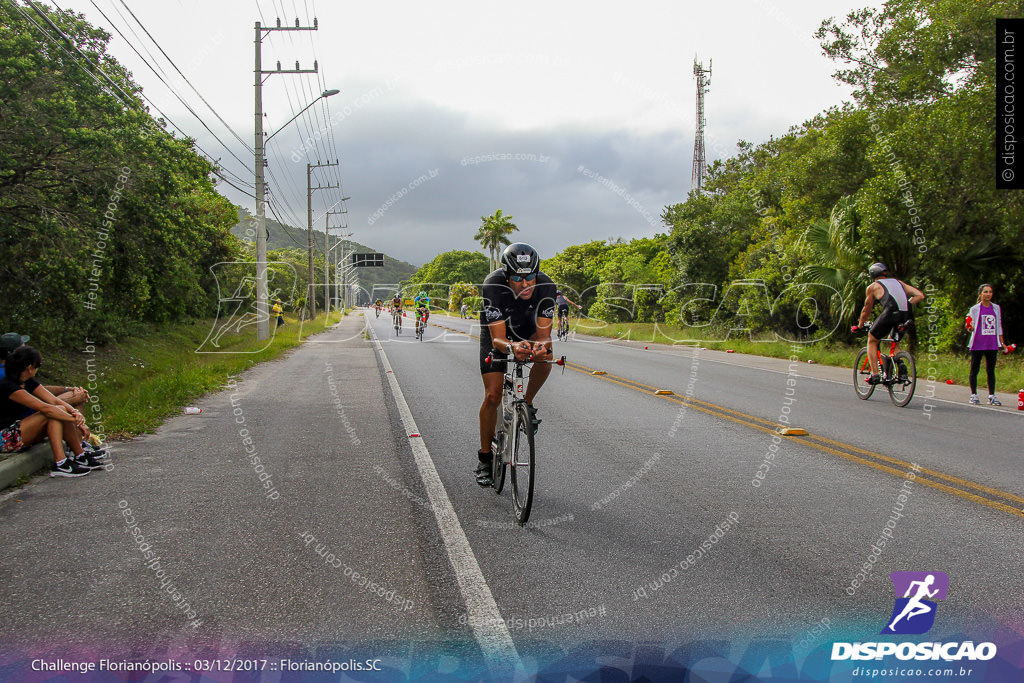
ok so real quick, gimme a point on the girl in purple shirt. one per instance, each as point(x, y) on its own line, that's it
point(985, 323)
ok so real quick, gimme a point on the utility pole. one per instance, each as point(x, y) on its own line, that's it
point(703, 86)
point(311, 294)
point(262, 311)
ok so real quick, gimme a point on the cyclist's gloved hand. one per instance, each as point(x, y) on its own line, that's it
point(540, 351)
point(522, 350)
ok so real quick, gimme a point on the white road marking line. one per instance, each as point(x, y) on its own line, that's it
point(482, 611)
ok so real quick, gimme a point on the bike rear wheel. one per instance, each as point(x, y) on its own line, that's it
point(900, 392)
point(522, 466)
point(861, 373)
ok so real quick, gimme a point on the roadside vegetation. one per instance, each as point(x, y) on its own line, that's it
point(946, 366)
point(158, 371)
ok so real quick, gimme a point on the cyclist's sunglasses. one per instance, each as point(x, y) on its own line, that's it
point(519, 278)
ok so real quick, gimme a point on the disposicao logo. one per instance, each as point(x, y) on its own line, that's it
point(917, 596)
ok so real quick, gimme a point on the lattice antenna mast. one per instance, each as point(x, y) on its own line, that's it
point(703, 77)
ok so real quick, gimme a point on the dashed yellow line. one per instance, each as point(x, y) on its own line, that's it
point(957, 486)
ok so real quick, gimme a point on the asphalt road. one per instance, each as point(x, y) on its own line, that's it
point(630, 486)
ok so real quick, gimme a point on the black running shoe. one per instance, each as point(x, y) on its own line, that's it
point(484, 472)
point(88, 462)
point(69, 468)
point(902, 375)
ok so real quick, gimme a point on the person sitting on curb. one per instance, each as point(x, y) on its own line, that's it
point(12, 341)
point(20, 390)
point(69, 397)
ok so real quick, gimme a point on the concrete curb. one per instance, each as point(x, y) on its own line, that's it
point(26, 463)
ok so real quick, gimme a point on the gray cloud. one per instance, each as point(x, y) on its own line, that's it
point(421, 176)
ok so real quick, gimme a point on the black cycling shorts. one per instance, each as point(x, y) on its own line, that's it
point(563, 311)
point(486, 347)
point(886, 323)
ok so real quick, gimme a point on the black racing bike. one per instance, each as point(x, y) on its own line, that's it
point(513, 443)
point(563, 328)
point(421, 324)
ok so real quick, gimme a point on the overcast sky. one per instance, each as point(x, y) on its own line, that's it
point(575, 118)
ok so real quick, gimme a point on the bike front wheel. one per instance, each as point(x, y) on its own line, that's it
point(902, 389)
point(861, 373)
point(498, 461)
point(521, 466)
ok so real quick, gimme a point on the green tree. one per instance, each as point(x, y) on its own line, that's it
point(493, 234)
point(108, 220)
point(445, 270)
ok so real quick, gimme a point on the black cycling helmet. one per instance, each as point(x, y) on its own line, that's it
point(558, 291)
point(877, 270)
point(520, 258)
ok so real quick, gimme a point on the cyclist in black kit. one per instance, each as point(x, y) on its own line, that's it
point(896, 298)
point(518, 305)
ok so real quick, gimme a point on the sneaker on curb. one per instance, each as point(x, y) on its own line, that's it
point(69, 468)
point(88, 462)
point(993, 401)
point(99, 454)
point(484, 473)
point(89, 448)
point(974, 400)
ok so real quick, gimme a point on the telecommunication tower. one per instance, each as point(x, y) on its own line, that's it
point(703, 77)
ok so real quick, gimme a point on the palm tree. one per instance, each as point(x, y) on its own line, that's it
point(493, 234)
point(833, 257)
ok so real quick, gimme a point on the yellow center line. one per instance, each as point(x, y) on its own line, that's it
point(827, 445)
point(934, 473)
point(839, 448)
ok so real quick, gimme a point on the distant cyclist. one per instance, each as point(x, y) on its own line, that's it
point(896, 298)
point(422, 305)
point(396, 310)
point(518, 305)
point(562, 303)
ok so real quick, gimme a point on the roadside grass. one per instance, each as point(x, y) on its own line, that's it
point(155, 373)
point(937, 367)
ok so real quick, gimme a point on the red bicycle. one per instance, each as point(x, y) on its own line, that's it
point(897, 370)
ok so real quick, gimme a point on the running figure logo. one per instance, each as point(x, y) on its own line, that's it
point(916, 596)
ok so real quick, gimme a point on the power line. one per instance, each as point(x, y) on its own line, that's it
point(237, 136)
point(168, 85)
point(127, 100)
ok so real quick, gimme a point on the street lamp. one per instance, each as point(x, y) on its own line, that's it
point(263, 315)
